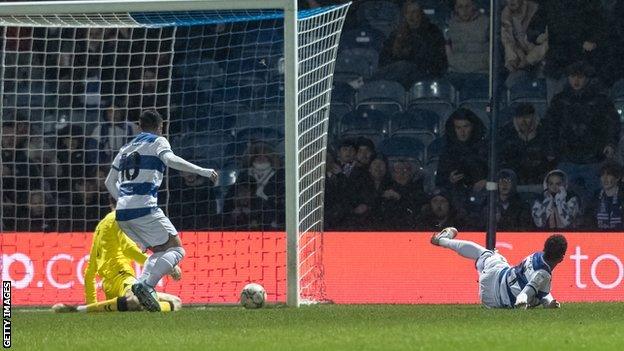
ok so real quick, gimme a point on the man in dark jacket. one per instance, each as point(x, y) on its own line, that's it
point(583, 128)
point(463, 161)
point(524, 146)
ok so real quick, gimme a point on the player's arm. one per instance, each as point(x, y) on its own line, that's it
point(89, 277)
point(163, 150)
point(539, 282)
point(549, 301)
point(111, 179)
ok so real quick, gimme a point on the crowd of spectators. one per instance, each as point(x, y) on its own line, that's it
point(559, 169)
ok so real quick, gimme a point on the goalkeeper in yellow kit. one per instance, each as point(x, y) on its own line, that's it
point(112, 253)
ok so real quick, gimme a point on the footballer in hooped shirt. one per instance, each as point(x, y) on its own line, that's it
point(501, 286)
point(134, 179)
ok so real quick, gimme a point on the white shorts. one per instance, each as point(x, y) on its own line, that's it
point(148, 231)
point(489, 265)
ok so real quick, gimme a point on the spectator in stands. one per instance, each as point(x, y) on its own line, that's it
point(521, 56)
point(512, 212)
point(367, 211)
point(84, 212)
point(75, 162)
point(35, 215)
point(524, 146)
point(607, 207)
point(364, 154)
point(265, 179)
point(576, 31)
point(191, 203)
point(557, 208)
point(414, 51)
point(346, 156)
point(440, 212)
point(463, 161)
point(242, 215)
point(115, 130)
point(615, 22)
point(403, 199)
point(336, 193)
point(583, 127)
point(467, 43)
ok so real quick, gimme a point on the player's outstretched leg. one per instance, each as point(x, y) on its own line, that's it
point(63, 308)
point(468, 249)
point(160, 264)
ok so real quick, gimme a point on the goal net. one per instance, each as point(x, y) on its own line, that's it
point(238, 94)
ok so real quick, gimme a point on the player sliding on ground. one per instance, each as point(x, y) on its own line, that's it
point(501, 286)
point(111, 257)
point(134, 179)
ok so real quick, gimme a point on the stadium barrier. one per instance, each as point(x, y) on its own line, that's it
point(358, 267)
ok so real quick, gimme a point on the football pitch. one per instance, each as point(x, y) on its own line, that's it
point(598, 326)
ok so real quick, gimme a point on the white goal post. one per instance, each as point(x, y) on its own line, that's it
point(305, 108)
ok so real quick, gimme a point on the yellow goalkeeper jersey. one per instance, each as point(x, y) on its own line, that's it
point(112, 253)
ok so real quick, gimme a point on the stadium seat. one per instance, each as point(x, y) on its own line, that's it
point(619, 106)
point(207, 149)
point(342, 93)
point(528, 90)
point(362, 38)
point(369, 56)
point(381, 15)
point(383, 95)
point(437, 11)
point(402, 147)
point(434, 149)
point(435, 96)
point(414, 119)
point(368, 123)
point(259, 119)
point(475, 88)
point(350, 67)
point(617, 90)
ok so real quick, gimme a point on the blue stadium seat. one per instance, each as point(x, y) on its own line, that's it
point(437, 11)
point(402, 147)
point(383, 95)
point(617, 90)
point(369, 123)
point(259, 119)
point(415, 119)
point(379, 14)
point(342, 93)
point(435, 96)
point(619, 106)
point(434, 149)
point(349, 67)
point(206, 149)
point(475, 88)
point(362, 38)
point(528, 90)
point(369, 56)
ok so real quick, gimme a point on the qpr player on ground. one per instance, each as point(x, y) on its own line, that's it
point(134, 179)
point(502, 286)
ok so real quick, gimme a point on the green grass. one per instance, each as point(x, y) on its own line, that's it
point(328, 327)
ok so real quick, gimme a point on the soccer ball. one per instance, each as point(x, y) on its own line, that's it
point(253, 296)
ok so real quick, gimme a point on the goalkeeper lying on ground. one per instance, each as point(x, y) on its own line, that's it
point(112, 253)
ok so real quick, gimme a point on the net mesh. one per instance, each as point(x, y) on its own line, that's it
point(74, 86)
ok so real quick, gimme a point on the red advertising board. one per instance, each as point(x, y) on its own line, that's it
point(358, 267)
